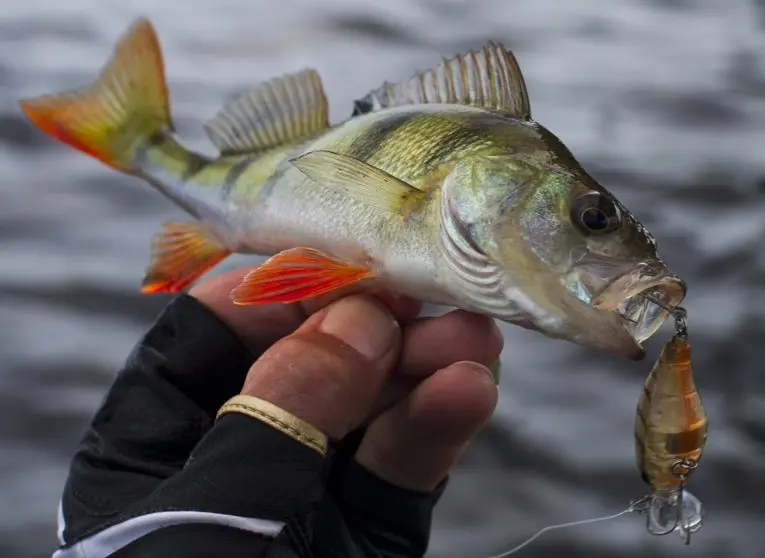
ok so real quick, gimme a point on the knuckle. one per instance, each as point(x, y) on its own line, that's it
point(316, 378)
point(320, 360)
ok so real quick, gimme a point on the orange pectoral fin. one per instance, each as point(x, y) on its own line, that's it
point(297, 274)
point(180, 254)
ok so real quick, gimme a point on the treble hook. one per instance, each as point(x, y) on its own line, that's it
point(690, 523)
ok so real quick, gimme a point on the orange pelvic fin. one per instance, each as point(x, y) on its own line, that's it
point(297, 274)
point(181, 253)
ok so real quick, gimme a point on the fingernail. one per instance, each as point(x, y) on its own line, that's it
point(480, 370)
point(362, 324)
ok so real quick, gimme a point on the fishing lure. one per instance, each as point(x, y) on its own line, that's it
point(670, 435)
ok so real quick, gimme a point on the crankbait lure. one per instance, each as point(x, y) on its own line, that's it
point(670, 435)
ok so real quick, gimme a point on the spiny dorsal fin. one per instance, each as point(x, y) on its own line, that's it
point(282, 110)
point(489, 78)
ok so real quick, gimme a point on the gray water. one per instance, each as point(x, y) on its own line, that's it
point(663, 102)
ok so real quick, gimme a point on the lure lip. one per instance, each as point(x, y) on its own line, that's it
point(625, 295)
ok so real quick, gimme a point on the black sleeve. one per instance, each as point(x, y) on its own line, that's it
point(156, 476)
point(151, 447)
point(245, 471)
point(160, 406)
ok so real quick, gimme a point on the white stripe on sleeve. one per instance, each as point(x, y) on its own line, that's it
point(114, 538)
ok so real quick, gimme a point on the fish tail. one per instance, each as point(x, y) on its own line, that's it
point(123, 108)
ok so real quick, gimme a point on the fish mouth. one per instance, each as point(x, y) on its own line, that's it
point(643, 298)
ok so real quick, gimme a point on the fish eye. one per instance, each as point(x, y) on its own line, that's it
point(595, 213)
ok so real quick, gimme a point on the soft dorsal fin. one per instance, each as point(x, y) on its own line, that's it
point(279, 111)
point(489, 78)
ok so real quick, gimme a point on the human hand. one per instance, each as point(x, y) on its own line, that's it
point(336, 365)
point(426, 346)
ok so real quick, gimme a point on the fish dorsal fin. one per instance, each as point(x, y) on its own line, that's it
point(489, 78)
point(282, 110)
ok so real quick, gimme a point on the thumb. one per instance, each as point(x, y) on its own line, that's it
point(318, 382)
point(331, 370)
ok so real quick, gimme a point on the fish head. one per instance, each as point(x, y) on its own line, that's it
point(543, 245)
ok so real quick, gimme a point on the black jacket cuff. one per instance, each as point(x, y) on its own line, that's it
point(246, 468)
point(160, 406)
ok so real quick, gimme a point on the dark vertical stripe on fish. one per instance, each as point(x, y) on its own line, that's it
point(469, 129)
point(233, 174)
point(450, 143)
point(368, 142)
point(194, 165)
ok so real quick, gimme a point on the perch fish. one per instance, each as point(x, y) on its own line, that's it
point(445, 189)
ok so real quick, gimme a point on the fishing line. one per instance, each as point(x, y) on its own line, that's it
point(631, 508)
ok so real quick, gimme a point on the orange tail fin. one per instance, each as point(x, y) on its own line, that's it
point(128, 102)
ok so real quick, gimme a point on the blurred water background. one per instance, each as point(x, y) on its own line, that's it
point(661, 99)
